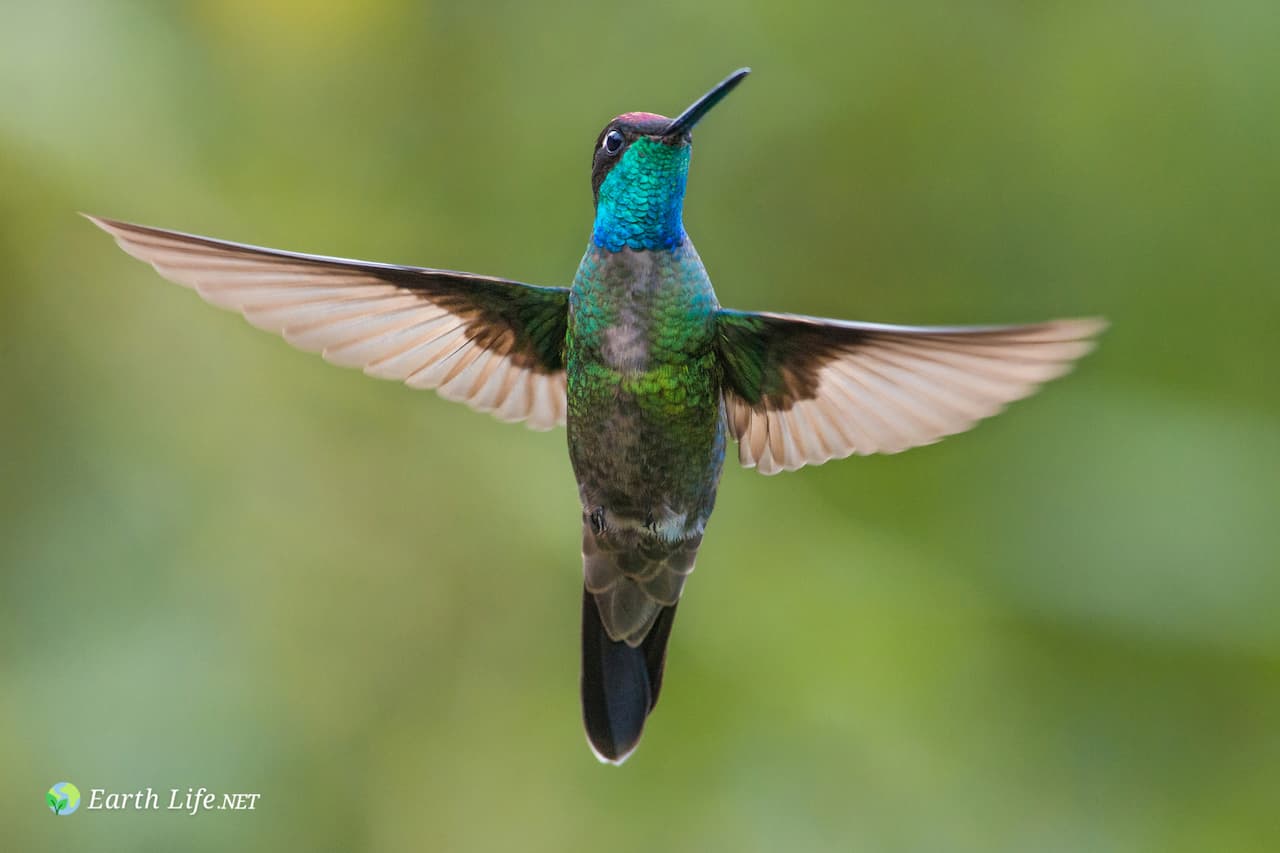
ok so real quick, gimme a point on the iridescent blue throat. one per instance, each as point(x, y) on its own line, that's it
point(640, 200)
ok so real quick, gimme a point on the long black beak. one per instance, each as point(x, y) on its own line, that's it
point(684, 122)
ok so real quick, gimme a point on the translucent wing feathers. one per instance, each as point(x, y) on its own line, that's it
point(802, 390)
point(493, 344)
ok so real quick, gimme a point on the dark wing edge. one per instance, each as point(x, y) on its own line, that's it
point(494, 344)
point(802, 390)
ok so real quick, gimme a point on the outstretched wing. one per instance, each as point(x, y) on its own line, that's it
point(802, 390)
point(493, 344)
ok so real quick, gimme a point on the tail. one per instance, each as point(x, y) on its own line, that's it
point(632, 579)
point(620, 683)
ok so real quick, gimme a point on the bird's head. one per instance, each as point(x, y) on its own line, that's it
point(638, 174)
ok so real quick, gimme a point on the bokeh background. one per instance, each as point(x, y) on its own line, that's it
point(228, 564)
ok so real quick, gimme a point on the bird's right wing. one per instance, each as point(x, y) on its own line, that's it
point(494, 344)
point(802, 390)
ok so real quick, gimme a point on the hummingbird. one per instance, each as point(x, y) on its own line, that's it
point(650, 375)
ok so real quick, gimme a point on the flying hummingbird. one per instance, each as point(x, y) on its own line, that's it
point(651, 376)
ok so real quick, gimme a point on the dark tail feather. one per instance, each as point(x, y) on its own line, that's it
point(620, 684)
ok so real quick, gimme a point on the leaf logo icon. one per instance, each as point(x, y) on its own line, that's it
point(63, 798)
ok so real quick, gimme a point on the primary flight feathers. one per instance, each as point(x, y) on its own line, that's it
point(493, 344)
point(802, 390)
point(797, 390)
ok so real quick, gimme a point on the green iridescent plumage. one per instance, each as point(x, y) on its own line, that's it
point(644, 383)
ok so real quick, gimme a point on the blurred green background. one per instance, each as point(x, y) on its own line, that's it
point(226, 563)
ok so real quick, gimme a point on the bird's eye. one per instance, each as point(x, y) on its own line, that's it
point(612, 143)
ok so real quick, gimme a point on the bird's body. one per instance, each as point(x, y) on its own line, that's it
point(650, 375)
point(646, 429)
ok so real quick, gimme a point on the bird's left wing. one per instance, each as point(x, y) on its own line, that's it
point(493, 344)
point(802, 390)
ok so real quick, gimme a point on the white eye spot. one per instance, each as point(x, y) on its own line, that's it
point(612, 142)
